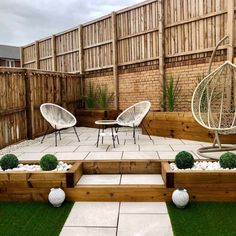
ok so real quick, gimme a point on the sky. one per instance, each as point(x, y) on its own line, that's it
point(24, 21)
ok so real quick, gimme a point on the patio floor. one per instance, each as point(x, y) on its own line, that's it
point(70, 149)
point(111, 218)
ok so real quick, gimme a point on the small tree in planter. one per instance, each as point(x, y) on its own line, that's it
point(172, 90)
point(90, 98)
point(103, 97)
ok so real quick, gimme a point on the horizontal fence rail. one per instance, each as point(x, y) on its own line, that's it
point(189, 27)
point(23, 91)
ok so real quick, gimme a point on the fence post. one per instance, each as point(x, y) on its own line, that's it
point(161, 51)
point(230, 29)
point(54, 59)
point(81, 59)
point(21, 57)
point(37, 66)
point(63, 91)
point(29, 105)
point(114, 60)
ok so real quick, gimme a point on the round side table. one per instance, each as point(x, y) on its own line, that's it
point(104, 124)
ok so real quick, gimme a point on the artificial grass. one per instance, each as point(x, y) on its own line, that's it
point(204, 218)
point(32, 218)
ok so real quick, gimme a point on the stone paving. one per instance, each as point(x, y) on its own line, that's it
point(111, 218)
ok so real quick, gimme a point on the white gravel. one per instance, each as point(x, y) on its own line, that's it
point(60, 167)
point(202, 165)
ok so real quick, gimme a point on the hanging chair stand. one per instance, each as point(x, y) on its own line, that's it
point(206, 118)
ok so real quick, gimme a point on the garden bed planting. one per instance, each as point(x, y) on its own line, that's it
point(201, 166)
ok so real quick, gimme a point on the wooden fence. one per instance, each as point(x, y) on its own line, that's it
point(154, 30)
point(23, 91)
point(136, 34)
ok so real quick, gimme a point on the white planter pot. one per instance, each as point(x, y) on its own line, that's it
point(56, 197)
point(180, 198)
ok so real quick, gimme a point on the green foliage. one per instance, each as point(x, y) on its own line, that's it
point(48, 162)
point(228, 160)
point(90, 98)
point(203, 218)
point(103, 97)
point(9, 161)
point(184, 160)
point(171, 91)
point(33, 218)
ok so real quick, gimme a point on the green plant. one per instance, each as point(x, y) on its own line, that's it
point(228, 160)
point(171, 91)
point(9, 161)
point(48, 162)
point(90, 98)
point(103, 97)
point(184, 160)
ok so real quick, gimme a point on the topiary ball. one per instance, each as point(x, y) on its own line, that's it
point(48, 162)
point(184, 160)
point(228, 160)
point(9, 161)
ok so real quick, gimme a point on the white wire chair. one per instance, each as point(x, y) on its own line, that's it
point(59, 118)
point(213, 105)
point(133, 116)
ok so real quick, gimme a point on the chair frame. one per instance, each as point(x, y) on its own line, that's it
point(134, 126)
point(57, 131)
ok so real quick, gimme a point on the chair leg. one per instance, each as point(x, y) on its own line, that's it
point(45, 133)
point(98, 136)
point(59, 132)
point(113, 138)
point(116, 130)
point(134, 134)
point(55, 136)
point(76, 134)
point(146, 131)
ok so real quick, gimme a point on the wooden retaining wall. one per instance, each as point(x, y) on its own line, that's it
point(23, 91)
point(201, 186)
point(180, 125)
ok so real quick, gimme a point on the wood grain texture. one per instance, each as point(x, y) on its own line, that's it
point(180, 125)
point(188, 27)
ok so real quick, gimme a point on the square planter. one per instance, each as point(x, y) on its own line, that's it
point(204, 179)
point(87, 118)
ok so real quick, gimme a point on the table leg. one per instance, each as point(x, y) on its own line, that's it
point(102, 132)
point(116, 129)
point(113, 138)
point(98, 135)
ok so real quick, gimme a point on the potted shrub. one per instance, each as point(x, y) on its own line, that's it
point(97, 101)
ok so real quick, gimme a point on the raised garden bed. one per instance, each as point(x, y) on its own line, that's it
point(180, 125)
point(35, 185)
point(205, 179)
point(87, 118)
point(201, 185)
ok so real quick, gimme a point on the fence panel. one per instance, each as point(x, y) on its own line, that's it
point(29, 57)
point(190, 28)
point(97, 44)
point(137, 34)
point(59, 88)
point(67, 51)
point(13, 126)
point(22, 92)
point(45, 54)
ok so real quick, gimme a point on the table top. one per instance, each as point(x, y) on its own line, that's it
point(105, 122)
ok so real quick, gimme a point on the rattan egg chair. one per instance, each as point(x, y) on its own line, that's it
point(133, 117)
point(213, 105)
point(59, 118)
